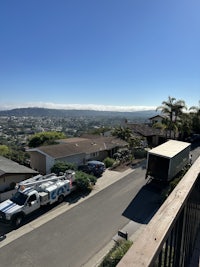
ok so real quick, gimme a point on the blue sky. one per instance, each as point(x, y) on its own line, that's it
point(101, 54)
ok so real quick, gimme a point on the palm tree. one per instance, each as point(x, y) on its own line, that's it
point(196, 109)
point(173, 110)
point(178, 109)
point(185, 126)
point(195, 117)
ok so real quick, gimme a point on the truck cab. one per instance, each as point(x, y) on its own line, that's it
point(29, 201)
point(21, 204)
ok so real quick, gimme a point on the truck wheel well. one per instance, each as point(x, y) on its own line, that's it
point(17, 219)
point(61, 198)
point(21, 214)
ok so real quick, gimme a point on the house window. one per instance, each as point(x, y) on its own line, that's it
point(95, 154)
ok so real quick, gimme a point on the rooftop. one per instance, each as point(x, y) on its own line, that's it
point(72, 146)
point(9, 166)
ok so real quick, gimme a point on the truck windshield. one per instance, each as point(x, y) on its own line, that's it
point(19, 198)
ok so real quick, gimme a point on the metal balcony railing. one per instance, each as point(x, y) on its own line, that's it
point(170, 237)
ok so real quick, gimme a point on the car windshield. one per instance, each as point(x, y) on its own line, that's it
point(19, 198)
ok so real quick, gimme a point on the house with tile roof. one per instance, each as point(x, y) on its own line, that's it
point(76, 150)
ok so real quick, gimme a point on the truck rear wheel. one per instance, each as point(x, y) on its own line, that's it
point(17, 220)
point(60, 198)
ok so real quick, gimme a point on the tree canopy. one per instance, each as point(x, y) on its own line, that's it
point(4, 150)
point(45, 138)
point(173, 109)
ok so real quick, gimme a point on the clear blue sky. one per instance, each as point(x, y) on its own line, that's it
point(127, 53)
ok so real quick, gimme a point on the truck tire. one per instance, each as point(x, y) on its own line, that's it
point(61, 198)
point(17, 220)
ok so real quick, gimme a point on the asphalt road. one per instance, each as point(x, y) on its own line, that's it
point(76, 235)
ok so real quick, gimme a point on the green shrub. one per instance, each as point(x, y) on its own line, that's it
point(116, 253)
point(61, 166)
point(84, 181)
point(108, 162)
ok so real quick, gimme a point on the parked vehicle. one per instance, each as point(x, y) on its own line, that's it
point(93, 167)
point(34, 193)
point(165, 161)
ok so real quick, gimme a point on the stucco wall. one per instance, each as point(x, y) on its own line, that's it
point(6, 180)
point(38, 162)
point(49, 164)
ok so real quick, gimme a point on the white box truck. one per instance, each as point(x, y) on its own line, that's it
point(165, 161)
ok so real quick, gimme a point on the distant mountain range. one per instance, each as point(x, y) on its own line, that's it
point(45, 112)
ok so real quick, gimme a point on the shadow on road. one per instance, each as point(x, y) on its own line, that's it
point(76, 196)
point(145, 204)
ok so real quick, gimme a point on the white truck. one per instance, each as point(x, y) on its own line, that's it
point(36, 192)
point(165, 161)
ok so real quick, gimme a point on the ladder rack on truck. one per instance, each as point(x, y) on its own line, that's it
point(35, 181)
point(40, 179)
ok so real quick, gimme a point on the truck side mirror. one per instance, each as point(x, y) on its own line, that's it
point(31, 203)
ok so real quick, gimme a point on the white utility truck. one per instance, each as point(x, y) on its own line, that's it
point(36, 192)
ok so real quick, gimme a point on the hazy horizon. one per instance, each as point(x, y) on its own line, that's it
point(79, 107)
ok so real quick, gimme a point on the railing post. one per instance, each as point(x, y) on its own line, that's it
point(178, 241)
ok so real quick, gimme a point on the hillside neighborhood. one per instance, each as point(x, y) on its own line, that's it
point(31, 147)
point(76, 150)
point(88, 138)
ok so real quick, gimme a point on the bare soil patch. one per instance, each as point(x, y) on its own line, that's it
point(126, 165)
